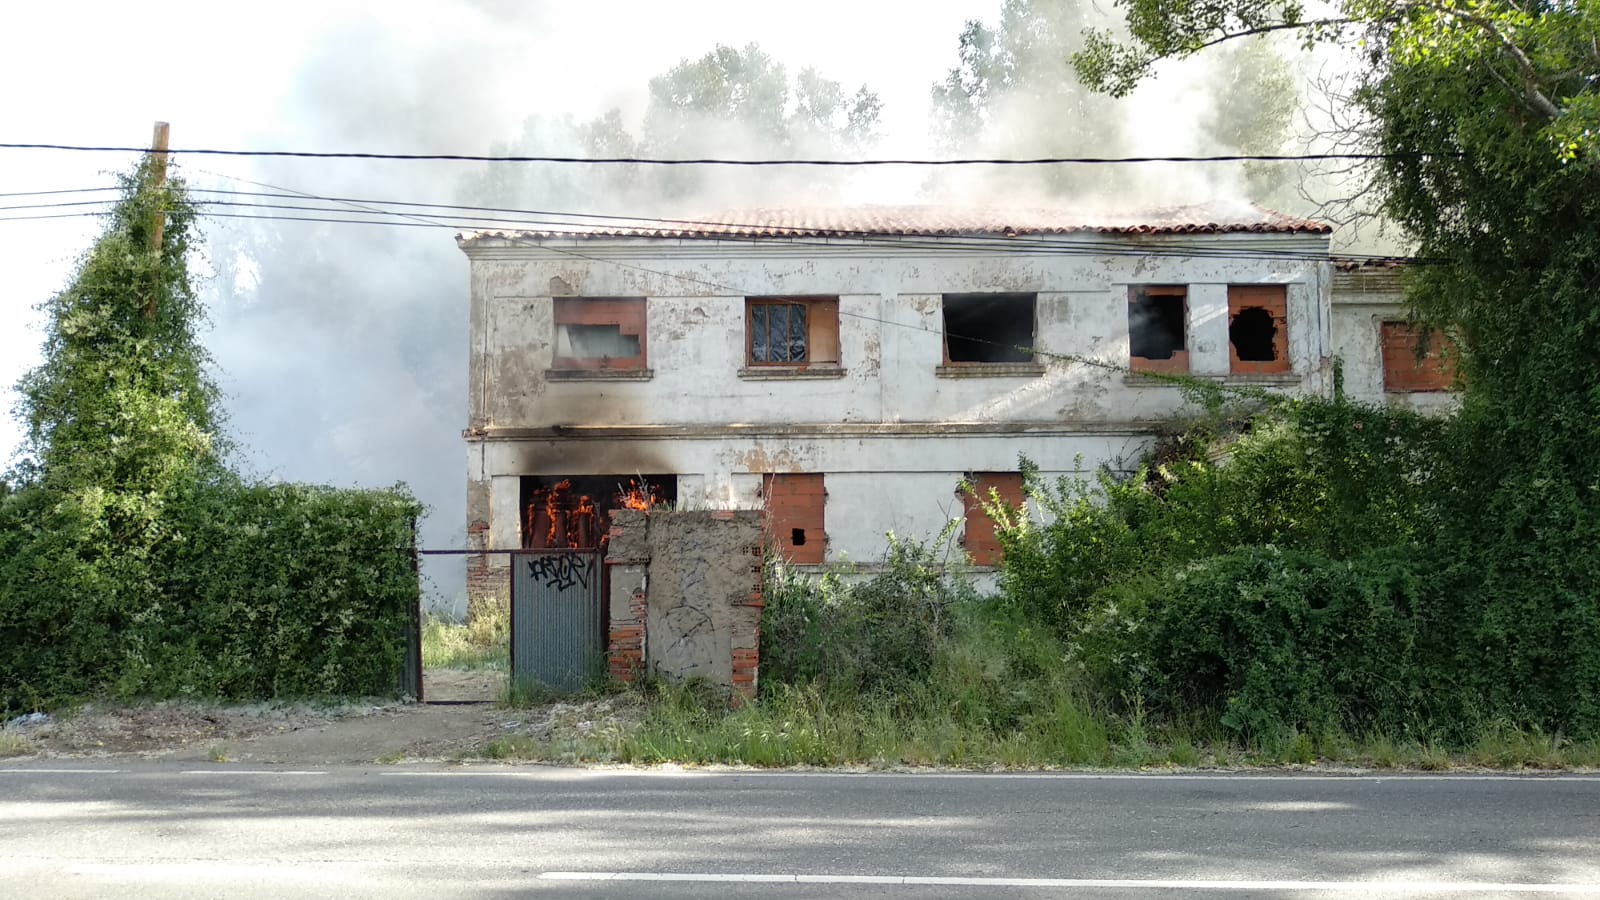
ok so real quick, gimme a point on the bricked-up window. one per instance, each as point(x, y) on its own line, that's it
point(1405, 370)
point(599, 333)
point(1258, 329)
point(1156, 330)
point(795, 504)
point(980, 541)
point(792, 331)
point(988, 328)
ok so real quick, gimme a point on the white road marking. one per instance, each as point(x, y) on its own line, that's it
point(63, 771)
point(253, 772)
point(1361, 887)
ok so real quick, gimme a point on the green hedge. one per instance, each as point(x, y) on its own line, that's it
point(239, 591)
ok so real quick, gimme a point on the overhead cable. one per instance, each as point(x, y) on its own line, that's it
point(726, 161)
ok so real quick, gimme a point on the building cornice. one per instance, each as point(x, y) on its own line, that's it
point(828, 430)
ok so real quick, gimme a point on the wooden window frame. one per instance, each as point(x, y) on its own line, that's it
point(822, 332)
point(1178, 363)
point(630, 314)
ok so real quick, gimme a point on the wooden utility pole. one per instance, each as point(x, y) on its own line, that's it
point(158, 179)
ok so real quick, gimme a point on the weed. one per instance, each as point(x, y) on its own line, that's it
point(389, 759)
point(522, 693)
point(1183, 753)
point(217, 753)
point(484, 642)
point(509, 748)
point(14, 745)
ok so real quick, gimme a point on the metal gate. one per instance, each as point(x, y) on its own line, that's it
point(557, 617)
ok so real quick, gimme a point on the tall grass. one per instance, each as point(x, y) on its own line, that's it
point(484, 642)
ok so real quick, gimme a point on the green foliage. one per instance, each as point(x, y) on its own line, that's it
point(880, 635)
point(131, 561)
point(483, 642)
point(254, 591)
point(1330, 477)
point(1312, 573)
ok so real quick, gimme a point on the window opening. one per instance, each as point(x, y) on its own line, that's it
point(595, 342)
point(599, 333)
point(784, 331)
point(1258, 329)
point(979, 538)
point(795, 505)
point(1416, 358)
point(574, 511)
point(989, 328)
point(1155, 323)
point(1253, 334)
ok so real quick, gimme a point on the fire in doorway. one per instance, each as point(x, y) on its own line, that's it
point(574, 511)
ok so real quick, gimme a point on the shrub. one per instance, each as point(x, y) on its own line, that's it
point(253, 591)
point(878, 635)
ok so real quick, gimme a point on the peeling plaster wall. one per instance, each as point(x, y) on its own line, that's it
point(894, 431)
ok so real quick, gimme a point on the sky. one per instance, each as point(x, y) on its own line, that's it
point(336, 395)
point(341, 350)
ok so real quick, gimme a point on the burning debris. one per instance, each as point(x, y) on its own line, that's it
point(575, 512)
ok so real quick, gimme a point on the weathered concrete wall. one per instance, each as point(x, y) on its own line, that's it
point(1361, 302)
point(890, 332)
point(685, 596)
point(892, 428)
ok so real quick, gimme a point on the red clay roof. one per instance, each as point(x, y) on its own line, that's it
point(925, 221)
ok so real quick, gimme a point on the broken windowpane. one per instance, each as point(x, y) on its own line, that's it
point(989, 328)
point(1254, 334)
point(1155, 322)
point(595, 342)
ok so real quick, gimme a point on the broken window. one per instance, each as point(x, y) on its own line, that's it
point(795, 504)
point(979, 539)
point(599, 333)
point(802, 331)
point(1258, 329)
point(988, 328)
point(1416, 358)
point(1156, 316)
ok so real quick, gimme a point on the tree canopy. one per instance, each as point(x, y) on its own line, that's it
point(1482, 116)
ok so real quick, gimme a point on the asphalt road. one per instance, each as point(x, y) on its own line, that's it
point(152, 829)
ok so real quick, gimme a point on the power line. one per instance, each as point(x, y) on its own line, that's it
point(422, 221)
point(725, 161)
point(367, 215)
point(547, 220)
point(66, 191)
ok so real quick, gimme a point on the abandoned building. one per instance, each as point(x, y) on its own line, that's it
point(846, 370)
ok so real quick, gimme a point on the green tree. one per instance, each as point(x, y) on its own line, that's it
point(1485, 115)
point(122, 400)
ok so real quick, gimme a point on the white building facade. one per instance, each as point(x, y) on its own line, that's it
point(847, 370)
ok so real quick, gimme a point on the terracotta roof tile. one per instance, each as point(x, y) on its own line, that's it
point(926, 221)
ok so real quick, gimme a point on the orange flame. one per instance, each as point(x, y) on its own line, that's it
point(638, 496)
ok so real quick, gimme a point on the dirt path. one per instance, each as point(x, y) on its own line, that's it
point(463, 685)
point(305, 734)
